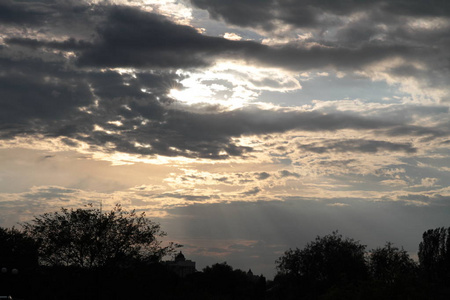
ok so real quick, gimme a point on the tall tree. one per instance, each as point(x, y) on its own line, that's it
point(434, 254)
point(89, 237)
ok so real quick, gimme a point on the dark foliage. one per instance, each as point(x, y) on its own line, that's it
point(390, 265)
point(222, 281)
point(330, 267)
point(17, 249)
point(18, 260)
point(434, 260)
point(434, 254)
point(393, 273)
point(328, 262)
point(91, 238)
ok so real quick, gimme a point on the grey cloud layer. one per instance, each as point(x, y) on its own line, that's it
point(12, 12)
point(310, 13)
point(363, 146)
point(127, 37)
point(351, 34)
point(51, 92)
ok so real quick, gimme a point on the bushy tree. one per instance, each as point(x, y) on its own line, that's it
point(389, 264)
point(330, 259)
point(89, 237)
point(17, 250)
point(331, 266)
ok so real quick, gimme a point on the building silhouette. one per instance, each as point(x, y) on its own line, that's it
point(181, 266)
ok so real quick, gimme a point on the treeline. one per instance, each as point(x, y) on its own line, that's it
point(90, 254)
point(334, 267)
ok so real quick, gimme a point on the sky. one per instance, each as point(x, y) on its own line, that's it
point(243, 127)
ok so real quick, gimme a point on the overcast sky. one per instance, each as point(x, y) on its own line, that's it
point(244, 127)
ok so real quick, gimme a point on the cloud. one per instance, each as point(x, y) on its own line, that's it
point(34, 90)
point(186, 197)
point(131, 113)
point(429, 182)
point(426, 199)
point(310, 14)
point(286, 173)
point(68, 45)
point(252, 191)
point(73, 88)
point(12, 12)
point(142, 39)
point(368, 42)
point(352, 145)
point(351, 35)
point(50, 193)
point(262, 175)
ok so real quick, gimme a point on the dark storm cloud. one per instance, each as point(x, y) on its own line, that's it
point(254, 13)
point(383, 29)
point(310, 13)
point(132, 38)
point(363, 146)
point(53, 92)
point(207, 135)
point(67, 45)
point(430, 132)
point(51, 17)
point(129, 37)
point(14, 12)
point(433, 8)
point(34, 91)
point(51, 99)
point(297, 57)
point(46, 97)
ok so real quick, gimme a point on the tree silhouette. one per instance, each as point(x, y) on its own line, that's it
point(326, 262)
point(18, 261)
point(17, 250)
point(390, 265)
point(221, 281)
point(394, 275)
point(330, 258)
point(434, 254)
point(90, 238)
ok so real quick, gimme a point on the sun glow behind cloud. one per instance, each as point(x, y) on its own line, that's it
point(232, 84)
